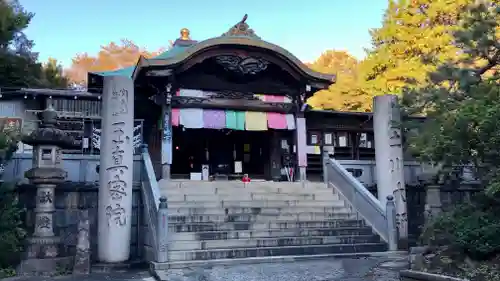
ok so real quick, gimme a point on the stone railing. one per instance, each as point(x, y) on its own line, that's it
point(155, 213)
point(381, 218)
point(364, 172)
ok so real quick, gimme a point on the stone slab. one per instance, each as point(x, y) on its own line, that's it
point(353, 265)
point(276, 251)
point(248, 196)
point(270, 233)
point(256, 210)
point(130, 275)
point(269, 242)
point(45, 267)
point(262, 218)
point(118, 267)
point(412, 275)
point(271, 225)
point(235, 201)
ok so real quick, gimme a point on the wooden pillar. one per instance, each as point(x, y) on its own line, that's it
point(275, 156)
point(301, 145)
point(166, 143)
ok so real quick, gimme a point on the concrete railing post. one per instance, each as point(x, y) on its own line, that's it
point(326, 157)
point(162, 231)
point(392, 229)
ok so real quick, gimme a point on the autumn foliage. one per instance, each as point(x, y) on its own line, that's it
point(112, 56)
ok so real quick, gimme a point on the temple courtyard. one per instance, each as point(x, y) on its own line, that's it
point(384, 267)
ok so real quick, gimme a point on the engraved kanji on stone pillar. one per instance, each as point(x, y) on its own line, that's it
point(389, 164)
point(115, 175)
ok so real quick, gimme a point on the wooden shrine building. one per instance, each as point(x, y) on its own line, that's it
point(228, 106)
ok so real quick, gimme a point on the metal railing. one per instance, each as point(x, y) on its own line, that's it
point(381, 218)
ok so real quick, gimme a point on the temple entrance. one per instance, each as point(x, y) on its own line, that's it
point(228, 153)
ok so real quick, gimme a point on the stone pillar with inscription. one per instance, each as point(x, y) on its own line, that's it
point(166, 144)
point(42, 252)
point(115, 176)
point(389, 164)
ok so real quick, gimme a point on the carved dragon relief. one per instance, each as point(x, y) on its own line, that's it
point(242, 65)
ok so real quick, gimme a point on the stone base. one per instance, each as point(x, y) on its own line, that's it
point(82, 262)
point(41, 247)
point(403, 244)
point(120, 266)
point(45, 267)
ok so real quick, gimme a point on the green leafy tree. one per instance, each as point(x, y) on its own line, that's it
point(18, 64)
point(415, 38)
point(462, 103)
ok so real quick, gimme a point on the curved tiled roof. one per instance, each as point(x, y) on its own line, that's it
point(239, 35)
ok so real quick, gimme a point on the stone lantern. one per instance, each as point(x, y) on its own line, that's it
point(47, 141)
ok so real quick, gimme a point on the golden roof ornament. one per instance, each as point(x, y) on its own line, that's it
point(185, 34)
point(241, 29)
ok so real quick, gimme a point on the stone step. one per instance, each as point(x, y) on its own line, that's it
point(261, 218)
point(301, 250)
point(270, 211)
point(255, 204)
point(264, 226)
point(240, 185)
point(269, 233)
point(266, 185)
point(270, 242)
point(249, 196)
point(228, 192)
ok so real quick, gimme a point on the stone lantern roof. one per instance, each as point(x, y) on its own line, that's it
point(48, 134)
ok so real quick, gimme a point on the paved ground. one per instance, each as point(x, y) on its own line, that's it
point(334, 269)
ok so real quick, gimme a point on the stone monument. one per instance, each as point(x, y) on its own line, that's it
point(42, 251)
point(116, 170)
point(389, 162)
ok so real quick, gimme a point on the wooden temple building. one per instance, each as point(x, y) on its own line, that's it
point(227, 106)
point(236, 104)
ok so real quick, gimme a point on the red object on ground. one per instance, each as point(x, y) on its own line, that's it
point(245, 179)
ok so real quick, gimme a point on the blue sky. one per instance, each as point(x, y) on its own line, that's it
point(63, 28)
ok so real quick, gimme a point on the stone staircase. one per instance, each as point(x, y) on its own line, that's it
point(228, 220)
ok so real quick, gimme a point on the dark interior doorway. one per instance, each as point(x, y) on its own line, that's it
point(220, 149)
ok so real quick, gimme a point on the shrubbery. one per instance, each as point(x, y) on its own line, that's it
point(473, 228)
point(11, 229)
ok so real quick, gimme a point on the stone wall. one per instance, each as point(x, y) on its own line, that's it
point(72, 197)
point(422, 200)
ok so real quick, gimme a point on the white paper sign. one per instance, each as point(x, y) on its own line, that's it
point(238, 167)
point(85, 143)
point(342, 141)
point(328, 138)
point(205, 172)
point(314, 139)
